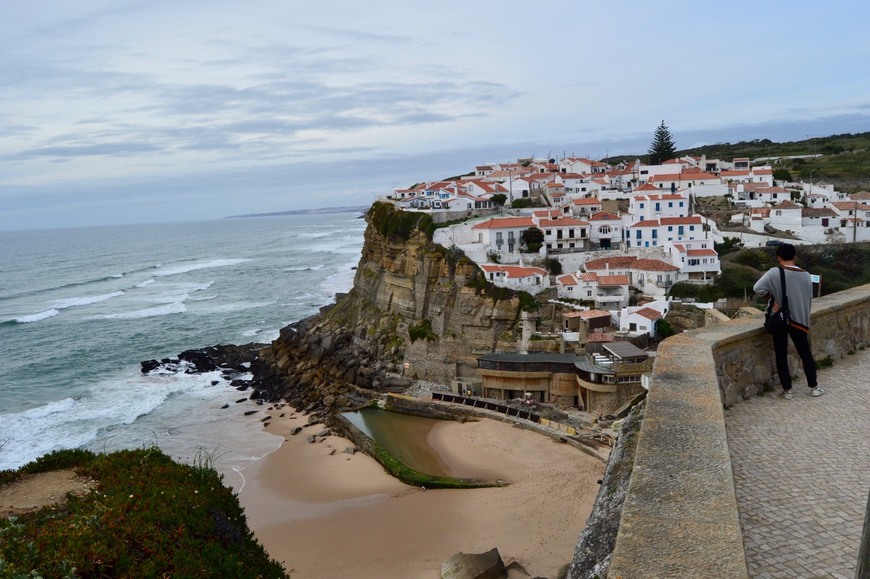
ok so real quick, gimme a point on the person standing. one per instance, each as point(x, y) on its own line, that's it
point(799, 289)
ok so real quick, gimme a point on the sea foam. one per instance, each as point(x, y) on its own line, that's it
point(37, 317)
point(84, 300)
point(163, 272)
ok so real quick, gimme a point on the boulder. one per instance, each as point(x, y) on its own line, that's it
point(149, 365)
point(487, 565)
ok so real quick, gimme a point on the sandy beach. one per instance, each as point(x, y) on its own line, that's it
point(327, 514)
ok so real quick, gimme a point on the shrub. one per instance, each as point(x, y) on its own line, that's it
point(148, 517)
point(422, 331)
point(522, 203)
point(553, 265)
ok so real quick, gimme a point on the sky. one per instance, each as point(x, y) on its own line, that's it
point(128, 111)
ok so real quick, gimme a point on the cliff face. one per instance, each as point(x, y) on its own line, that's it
point(412, 314)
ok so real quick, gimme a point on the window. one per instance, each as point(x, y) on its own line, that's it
point(670, 204)
point(638, 235)
point(658, 206)
point(589, 294)
point(670, 227)
point(655, 233)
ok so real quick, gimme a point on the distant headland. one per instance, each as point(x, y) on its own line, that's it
point(316, 211)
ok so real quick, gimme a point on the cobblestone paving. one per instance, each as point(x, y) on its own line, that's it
point(802, 474)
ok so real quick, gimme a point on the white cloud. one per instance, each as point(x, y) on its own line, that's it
point(270, 101)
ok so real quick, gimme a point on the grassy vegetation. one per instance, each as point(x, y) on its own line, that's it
point(148, 517)
point(840, 266)
point(399, 225)
point(416, 478)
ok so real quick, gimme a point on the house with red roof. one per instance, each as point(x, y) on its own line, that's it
point(517, 277)
point(501, 234)
point(584, 207)
point(653, 277)
point(640, 320)
point(696, 259)
point(564, 234)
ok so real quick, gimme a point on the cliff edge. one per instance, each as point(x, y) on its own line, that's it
point(417, 310)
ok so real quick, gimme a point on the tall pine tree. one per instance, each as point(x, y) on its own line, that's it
point(662, 147)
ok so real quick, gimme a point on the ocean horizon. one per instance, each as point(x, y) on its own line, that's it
point(80, 308)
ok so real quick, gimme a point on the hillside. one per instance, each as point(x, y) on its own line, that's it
point(844, 160)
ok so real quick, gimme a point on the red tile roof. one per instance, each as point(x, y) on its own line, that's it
point(612, 280)
point(505, 223)
point(649, 313)
point(646, 264)
point(615, 262)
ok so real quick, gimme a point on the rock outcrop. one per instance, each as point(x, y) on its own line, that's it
point(416, 311)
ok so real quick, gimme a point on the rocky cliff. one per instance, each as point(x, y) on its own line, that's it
point(417, 311)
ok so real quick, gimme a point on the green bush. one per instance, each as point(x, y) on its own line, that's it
point(148, 517)
point(521, 203)
point(422, 331)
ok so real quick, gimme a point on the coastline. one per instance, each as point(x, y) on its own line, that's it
point(327, 513)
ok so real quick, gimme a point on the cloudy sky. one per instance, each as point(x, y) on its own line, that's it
point(127, 111)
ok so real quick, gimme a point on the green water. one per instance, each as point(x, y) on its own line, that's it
point(405, 437)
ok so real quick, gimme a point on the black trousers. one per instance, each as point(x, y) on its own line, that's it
point(801, 341)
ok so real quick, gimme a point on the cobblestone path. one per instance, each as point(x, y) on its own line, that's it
point(802, 474)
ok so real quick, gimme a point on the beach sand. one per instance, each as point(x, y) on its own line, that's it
point(328, 514)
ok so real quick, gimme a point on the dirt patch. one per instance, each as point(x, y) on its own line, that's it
point(32, 492)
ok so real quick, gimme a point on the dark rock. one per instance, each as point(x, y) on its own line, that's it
point(240, 400)
point(311, 439)
point(149, 365)
point(349, 450)
point(215, 382)
point(249, 412)
point(238, 382)
point(296, 430)
point(242, 388)
point(225, 406)
point(200, 360)
point(488, 565)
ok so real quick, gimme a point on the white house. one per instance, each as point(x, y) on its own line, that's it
point(516, 277)
point(656, 205)
point(820, 225)
point(605, 230)
point(585, 206)
point(654, 232)
point(696, 259)
point(640, 321)
point(653, 276)
point(787, 216)
point(610, 292)
point(502, 234)
point(564, 233)
point(854, 217)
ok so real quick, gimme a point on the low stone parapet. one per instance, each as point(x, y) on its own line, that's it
point(680, 515)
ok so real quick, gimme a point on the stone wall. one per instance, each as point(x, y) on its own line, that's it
point(680, 514)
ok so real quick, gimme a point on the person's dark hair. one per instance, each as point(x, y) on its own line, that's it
point(787, 251)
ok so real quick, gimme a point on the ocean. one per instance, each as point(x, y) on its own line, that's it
point(80, 308)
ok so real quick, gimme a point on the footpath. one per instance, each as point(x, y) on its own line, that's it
point(802, 473)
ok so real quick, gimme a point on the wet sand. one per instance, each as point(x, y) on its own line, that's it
point(325, 513)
